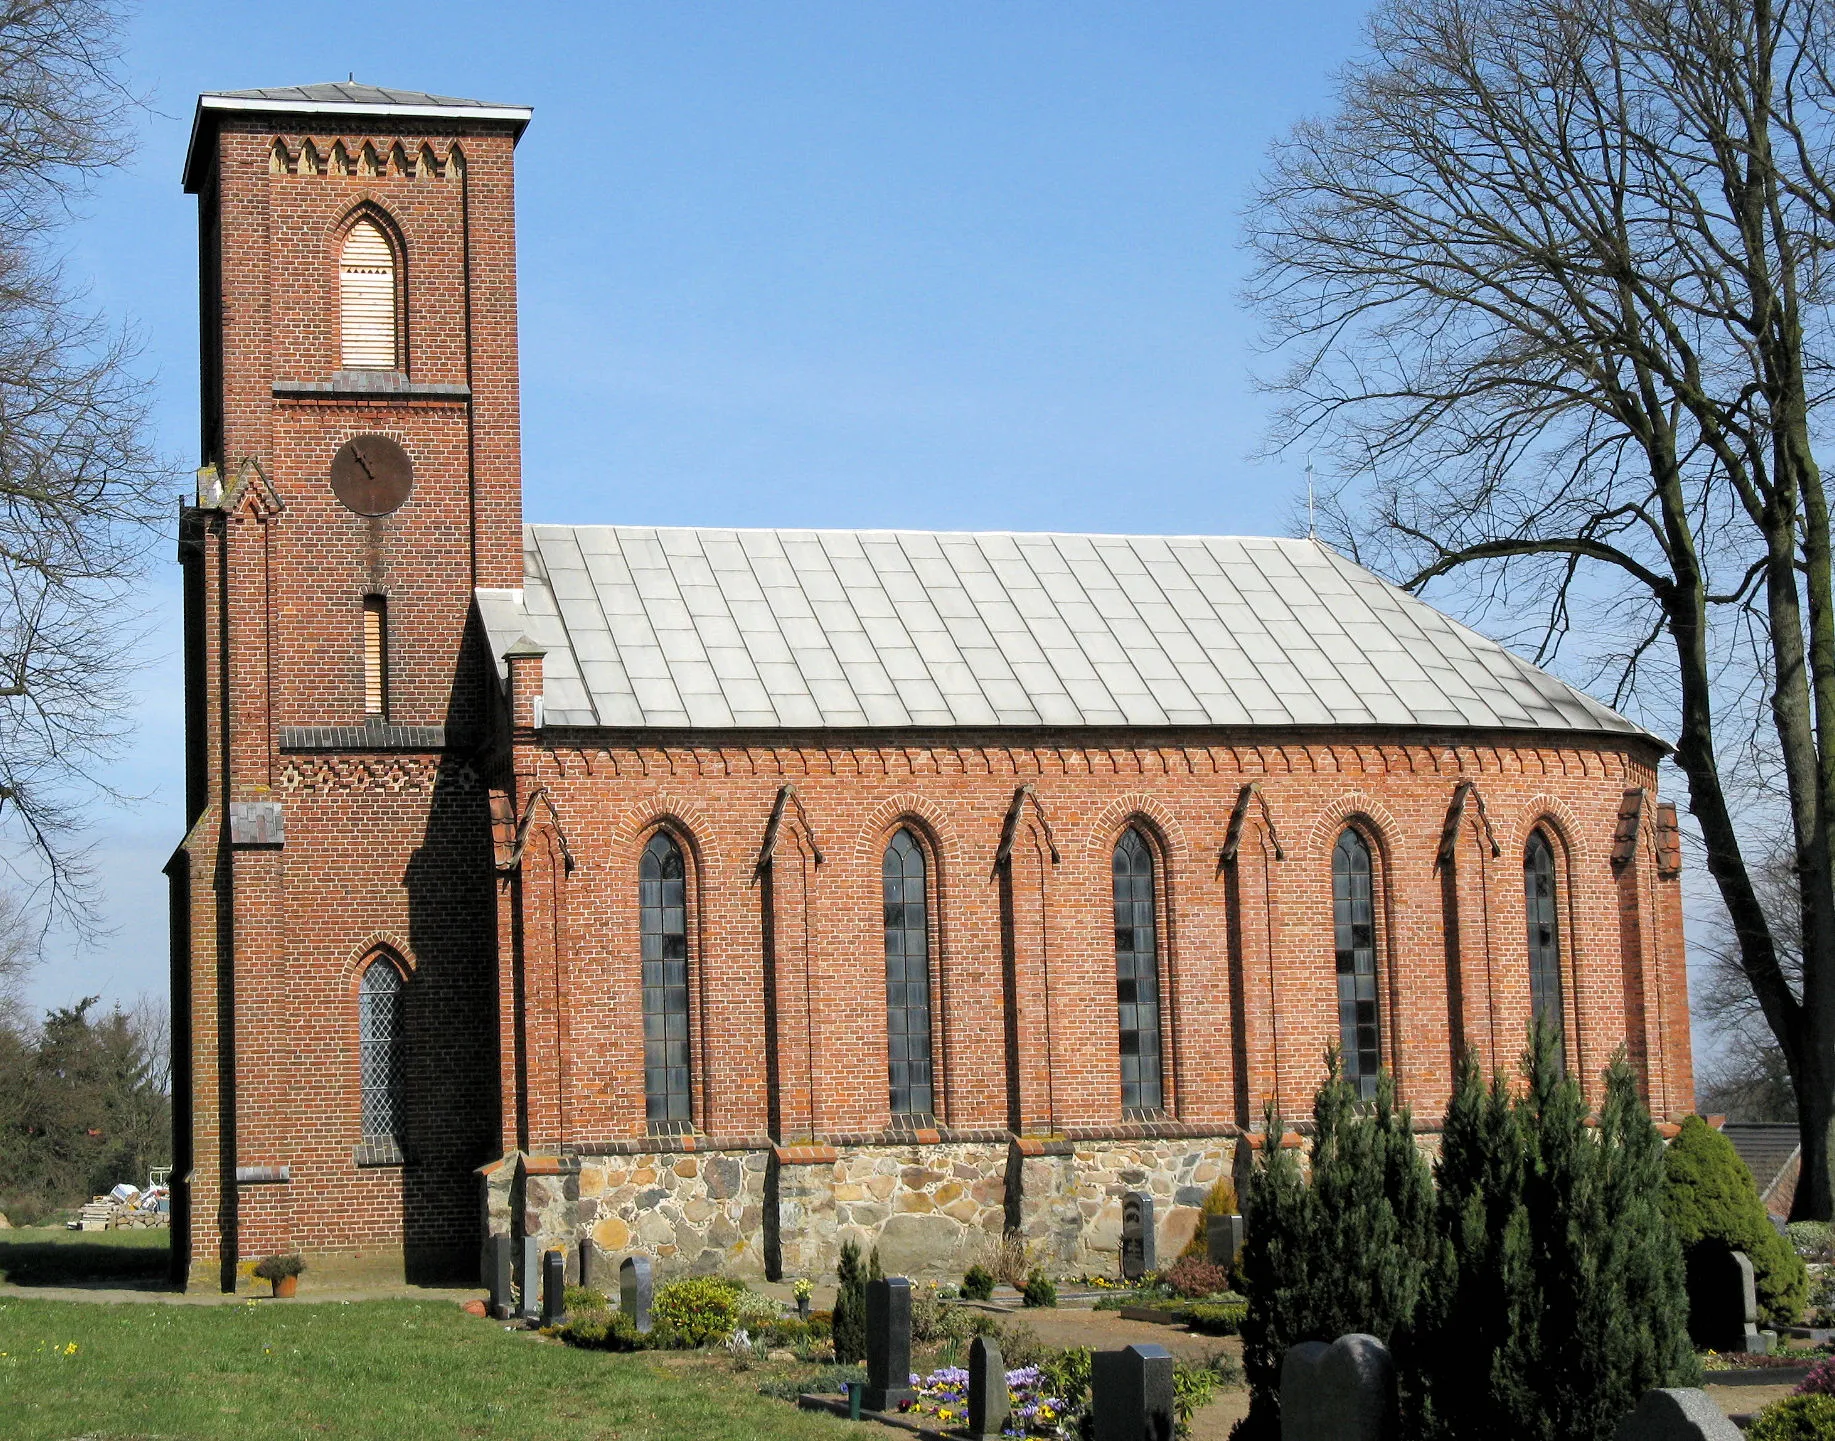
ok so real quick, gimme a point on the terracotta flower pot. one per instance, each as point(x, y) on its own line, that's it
point(285, 1286)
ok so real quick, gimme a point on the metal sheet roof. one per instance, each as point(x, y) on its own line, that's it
point(720, 629)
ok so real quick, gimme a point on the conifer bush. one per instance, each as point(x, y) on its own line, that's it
point(1713, 1201)
point(1535, 1295)
point(850, 1318)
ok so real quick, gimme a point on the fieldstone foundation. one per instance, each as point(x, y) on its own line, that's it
point(932, 1202)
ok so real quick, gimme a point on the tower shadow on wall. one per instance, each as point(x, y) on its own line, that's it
point(451, 1032)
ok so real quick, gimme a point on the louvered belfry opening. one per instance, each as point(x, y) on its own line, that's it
point(366, 280)
point(375, 656)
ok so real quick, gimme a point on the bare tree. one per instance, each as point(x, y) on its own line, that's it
point(79, 483)
point(1746, 1077)
point(1554, 285)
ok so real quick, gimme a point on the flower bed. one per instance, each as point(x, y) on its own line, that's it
point(944, 1395)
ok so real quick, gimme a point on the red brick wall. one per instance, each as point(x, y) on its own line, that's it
point(1247, 947)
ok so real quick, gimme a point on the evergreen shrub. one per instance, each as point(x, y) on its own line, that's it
point(1039, 1290)
point(978, 1284)
point(700, 1310)
point(1713, 1201)
point(850, 1318)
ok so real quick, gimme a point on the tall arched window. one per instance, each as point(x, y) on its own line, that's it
point(907, 924)
point(366, 288)
point(1354, 919)
point(1137, 974)
point(380, 1029)
point(663, 903)
point(1544, 931)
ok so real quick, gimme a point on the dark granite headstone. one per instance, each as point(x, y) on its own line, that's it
point(1131, 1394)
point(888, 1343)
point(1341, 1392)
point(988, 1404)
point(1683, 1414)
point(1223, 1239)
point(499, 1252)
point(1137, 1248)
point(586, 1261)
point(1723, 1309)
point(635, 1290)
point(531, 1279)
point(554, 1287)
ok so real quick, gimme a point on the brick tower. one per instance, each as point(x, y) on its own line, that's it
point(361, 476)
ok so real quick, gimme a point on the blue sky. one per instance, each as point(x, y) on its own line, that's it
point(931, 265)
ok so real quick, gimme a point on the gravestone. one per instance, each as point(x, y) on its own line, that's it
point(499, 1255)
point(586, 1261)
point(888, 1343)
point(1723, 1308)
point(1223, 1239)
point(1131, 1394)
point(1678, 1415)
point(554, 1287)
point(1137, 1249)
point(531, 1296)
point(635, 1290)
point(1341, 1392)
point(988, 1405)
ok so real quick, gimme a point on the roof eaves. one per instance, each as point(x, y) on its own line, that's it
point(234, 102)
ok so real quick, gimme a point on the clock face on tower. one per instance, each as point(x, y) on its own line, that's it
point(372, 475)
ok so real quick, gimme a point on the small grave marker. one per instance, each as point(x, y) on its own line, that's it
point(531, 1279)
point(635, 1289)
point(888, 1343)
point(501, 1278)
point(988, 1405)
point(1341, 1392)
point(1137, 1248)
point(554, 1287)
point(1131, 1394)
point(1683, 1414)
point(1223, 1239)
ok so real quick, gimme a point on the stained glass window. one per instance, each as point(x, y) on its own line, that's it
point(1354, 919)
point(907, 976)
point(380, 1027)
point(663, 904)
point(1544, 932)
point(1137, 974)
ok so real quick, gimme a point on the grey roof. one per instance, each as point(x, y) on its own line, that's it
point(767, 628)
point(340, 97)
point(1766, 1147)
point(351, 92)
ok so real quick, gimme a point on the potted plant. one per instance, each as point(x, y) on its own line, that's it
point(803, 1288)
point(283, 1271)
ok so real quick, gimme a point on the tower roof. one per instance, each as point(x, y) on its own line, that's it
point(340, 97)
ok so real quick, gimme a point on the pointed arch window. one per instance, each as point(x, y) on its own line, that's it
point(381, 1026)
point(907, 928)
point(1137, 974)
point(1354, 920)
point(1544, 932)
point(366, 288)
point(663, 906)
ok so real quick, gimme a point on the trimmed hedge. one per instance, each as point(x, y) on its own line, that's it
point(1712, 1198)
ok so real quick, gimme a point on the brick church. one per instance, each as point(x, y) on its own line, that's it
point(722, 894)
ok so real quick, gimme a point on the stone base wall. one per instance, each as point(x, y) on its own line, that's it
point(933, 1208)
point(1069, 1195)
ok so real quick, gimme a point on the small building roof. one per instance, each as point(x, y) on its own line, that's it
point(338, 97)
point(730, 629)
point(1770, 1150)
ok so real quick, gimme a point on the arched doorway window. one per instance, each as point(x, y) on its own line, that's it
point(1354, 920)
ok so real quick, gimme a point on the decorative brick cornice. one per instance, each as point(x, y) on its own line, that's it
point(666, 1145)
point(362, 738)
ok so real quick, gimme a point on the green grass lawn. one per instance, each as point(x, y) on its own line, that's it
point(388, 1369)
point(52, 1256)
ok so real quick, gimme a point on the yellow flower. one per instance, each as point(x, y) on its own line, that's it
point(70, 1350)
